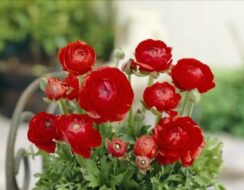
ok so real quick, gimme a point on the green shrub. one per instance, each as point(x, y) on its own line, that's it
point(222, 109)
point(38, 28)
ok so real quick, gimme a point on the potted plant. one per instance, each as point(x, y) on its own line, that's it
point(98, 141)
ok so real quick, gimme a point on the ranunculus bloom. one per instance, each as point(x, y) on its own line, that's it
point(77, 130)
point(146, 146)
point(72, 84)
point(55, 89)
point(190, 73)
point(161, 96)
point(117, 148)
point(106, 94)
point(153, 55)
point(178, 138)
point(77, 57)
point(42, 131)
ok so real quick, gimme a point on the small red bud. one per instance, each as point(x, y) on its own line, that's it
point(146, 146)
point(117, 148)
point(55, 89)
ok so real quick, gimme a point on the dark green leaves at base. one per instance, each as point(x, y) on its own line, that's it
point(65, 171)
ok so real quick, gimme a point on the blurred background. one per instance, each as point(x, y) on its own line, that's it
point(32, 31)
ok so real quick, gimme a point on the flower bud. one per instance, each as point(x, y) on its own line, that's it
point(129, 66)
point(143, 163)
point(55, 89)
point(119, 54)
point(146, 146)
point(117, 148)
point(194, 96)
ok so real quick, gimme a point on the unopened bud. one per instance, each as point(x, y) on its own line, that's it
point(143, 163)
point(119, 54)
point(194, 96)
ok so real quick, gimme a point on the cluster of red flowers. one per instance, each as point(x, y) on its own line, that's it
point(106, 95)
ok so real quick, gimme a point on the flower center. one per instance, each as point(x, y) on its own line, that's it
point(156, 52)
point(105, 90)
point(76, 126)
point(163, 94)
point(176, 137)
point(79, 55)
point(117, 147)
point(143, 162)
point(48, 124)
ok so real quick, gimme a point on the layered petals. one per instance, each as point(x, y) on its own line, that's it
point(153, 55)
point(162, 96)
point(190, 73)
point(77, 57)
point(42, 131)
point(106, 94)
point(77, 130)
point(179, 138)
point(72, 84)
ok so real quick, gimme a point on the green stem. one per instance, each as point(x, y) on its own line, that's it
point(129, 78)
point(130, 115)
point(117, 63)
point(149, 83)
point(158, 117)
point(191, 105)
point(150, 80)
point(184, 103)
point(62, 107)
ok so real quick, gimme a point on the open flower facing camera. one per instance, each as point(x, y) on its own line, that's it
point(98, 140)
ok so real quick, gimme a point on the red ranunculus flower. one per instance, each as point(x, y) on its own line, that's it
point(153, 55)
point(77, 57)
point(117, 148)
point(72, 83)
point(162, 96)
point(190, 73)
point(106, 94)
point(77, 130)
point(146, 146)
point(178, 138)
point(55, 89)
point(42, 131)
